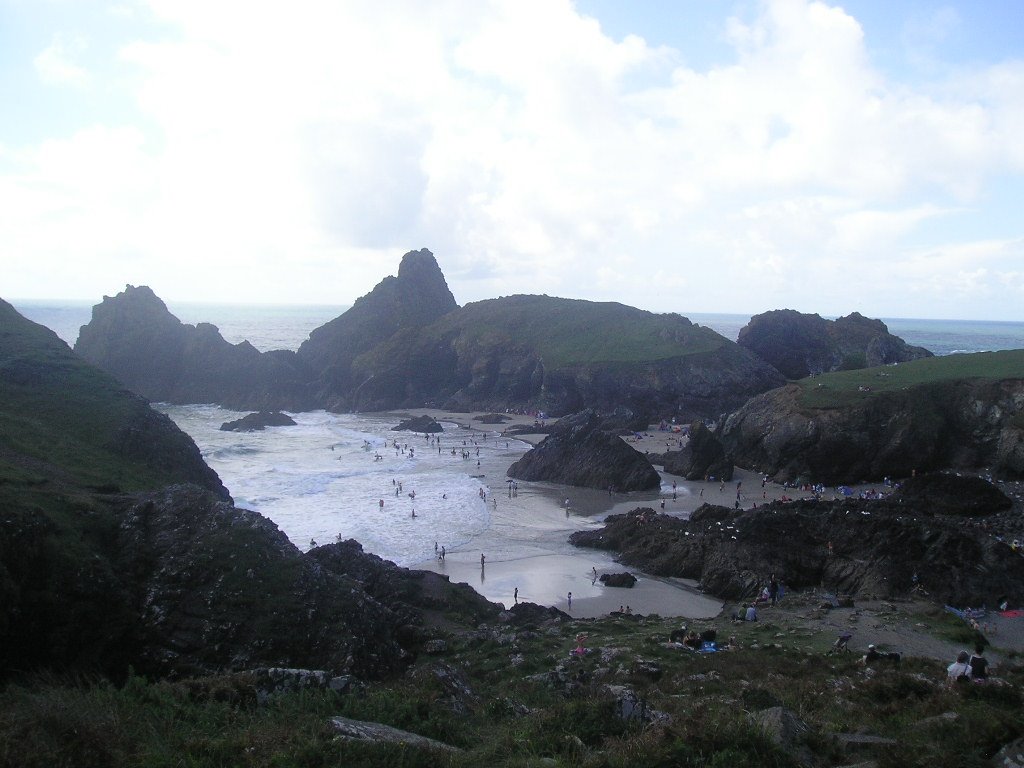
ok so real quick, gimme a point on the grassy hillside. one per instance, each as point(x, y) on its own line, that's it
point(70, 436)
point(567, 332)
point(519, 698)
point(843, 388)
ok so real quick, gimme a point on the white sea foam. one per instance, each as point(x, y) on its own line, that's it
point(321, 479)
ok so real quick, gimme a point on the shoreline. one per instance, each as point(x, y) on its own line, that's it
point(526, 546)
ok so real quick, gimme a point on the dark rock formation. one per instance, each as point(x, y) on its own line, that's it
point(579, 452)
point(415, 298)
point(421, 424)
point(877, 548)
point(968, 423)
point(558, 356)
point(703, 456)
point(624, 579)
point(406, 344)
point(134, 337)
point(951, 494)
point(800, 344)
point(258, 421)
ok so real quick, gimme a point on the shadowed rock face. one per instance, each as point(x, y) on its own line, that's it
point(579, 452)
point(799, 344)
point(877, 547)
point(960, 424)
point(703, 456)
point(135, 338)
point(415, 298)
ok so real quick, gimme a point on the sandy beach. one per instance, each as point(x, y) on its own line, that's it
point(526, 546)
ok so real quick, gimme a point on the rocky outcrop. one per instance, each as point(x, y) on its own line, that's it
point(877, 547)
point(624, 579)
point(578, 452)
point(702, 457)
point(223, 588)
point(415, 298)
point(135, 338)
point(407, 344)
point(422, 424)
point(969, 423)
point(799, 344)
point(540, 353)
point(952, 494)
point(256, 422)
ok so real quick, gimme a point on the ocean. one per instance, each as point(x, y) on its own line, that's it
point(269, 327)
point(322, 480)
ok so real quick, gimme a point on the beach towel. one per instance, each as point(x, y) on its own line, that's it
point(1016, 613)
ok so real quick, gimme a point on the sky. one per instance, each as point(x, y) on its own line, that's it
point(674, 155)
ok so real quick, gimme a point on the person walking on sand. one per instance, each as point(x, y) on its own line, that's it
point(482, 560)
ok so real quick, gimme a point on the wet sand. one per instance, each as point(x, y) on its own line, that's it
point(526, 545)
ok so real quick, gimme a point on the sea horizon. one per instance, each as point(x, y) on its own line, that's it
point(285, 326)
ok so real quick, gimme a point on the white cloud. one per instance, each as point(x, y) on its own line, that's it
point(55, 64)
point(294, 152)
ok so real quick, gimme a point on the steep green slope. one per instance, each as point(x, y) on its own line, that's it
point(62, 419)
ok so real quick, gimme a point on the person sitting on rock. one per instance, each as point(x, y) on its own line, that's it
point(959, 670)
point(978, 663)
point(751, 614)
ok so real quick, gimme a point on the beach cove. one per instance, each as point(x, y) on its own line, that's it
point(525, 546)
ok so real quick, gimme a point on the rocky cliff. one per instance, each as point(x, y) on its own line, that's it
point(560, 356)
point(579, 452)
point(799, 344)
point(958, 411)
point(119, 546)
point(134, 337)
point(877, 547)
point(407, 344)
point(415, 298)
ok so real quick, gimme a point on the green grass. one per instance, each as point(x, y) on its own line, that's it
point(512, 720)
point(566, 332)
point(844, 388)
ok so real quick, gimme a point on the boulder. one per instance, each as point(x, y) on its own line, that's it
point(256, 422)
point(703, 456)
point(624, 579)
point(378, 733)
point(421, 424)
point(578, 452)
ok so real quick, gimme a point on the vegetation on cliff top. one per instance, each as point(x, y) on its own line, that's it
point(566, 332)
point(845, 388)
